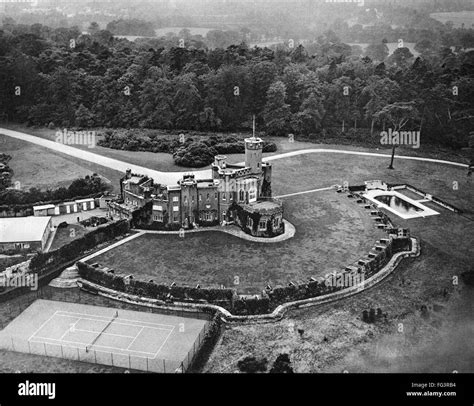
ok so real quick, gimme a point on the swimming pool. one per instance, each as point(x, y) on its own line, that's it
point(399, 204)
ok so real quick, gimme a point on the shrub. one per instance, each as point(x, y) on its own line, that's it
point(252, 365)
point(282, 365)
point(468, 277)
point(269, 146)
point(195, 155)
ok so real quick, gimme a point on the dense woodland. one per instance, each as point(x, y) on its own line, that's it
point(62, 78)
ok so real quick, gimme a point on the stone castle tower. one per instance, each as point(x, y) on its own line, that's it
point(253, 154)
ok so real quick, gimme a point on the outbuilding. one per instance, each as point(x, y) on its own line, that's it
point(24, 234)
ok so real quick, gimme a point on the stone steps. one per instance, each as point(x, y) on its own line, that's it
point(67, 279)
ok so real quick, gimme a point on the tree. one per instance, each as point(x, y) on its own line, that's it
point(308, 120)
point(379, 92)
point(401, 57)
point(277, 113)
point(399, 115)
point(84, 118)
point(282, 365)
point(186, 102)
point(93, 28)
point(377, 52)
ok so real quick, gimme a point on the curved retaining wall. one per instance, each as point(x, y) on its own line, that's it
point(278, 313)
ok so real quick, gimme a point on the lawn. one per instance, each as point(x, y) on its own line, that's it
point(35, 166)
point(332, 232)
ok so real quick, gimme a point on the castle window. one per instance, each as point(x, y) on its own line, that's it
point(200, 197)
point(241, 195)
point(192, 199)
point(231, 197)
point(175, 199)
point(262, 225)
point(208, 197)
point(252, 195)
point(175, 217)
point(208, 216)
point(276, 222)
point(158, 217)
point(223, 196)
point(185, 199)
point(249, 222)
point(215, 196)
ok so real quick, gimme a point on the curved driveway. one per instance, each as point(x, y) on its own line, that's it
point(169, 178)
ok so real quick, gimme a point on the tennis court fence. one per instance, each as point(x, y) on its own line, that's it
point(93, 356)
point(13, 308)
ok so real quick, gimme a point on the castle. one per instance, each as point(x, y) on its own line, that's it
point(236, 194)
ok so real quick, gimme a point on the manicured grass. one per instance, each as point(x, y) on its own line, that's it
point(332, 232)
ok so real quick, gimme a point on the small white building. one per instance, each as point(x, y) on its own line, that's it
point(86, 204)
point(24, 234)
point(45, 210)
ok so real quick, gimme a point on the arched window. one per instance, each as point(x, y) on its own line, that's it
point(241, 195)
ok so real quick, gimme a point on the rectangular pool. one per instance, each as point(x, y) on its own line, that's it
point(399, 204)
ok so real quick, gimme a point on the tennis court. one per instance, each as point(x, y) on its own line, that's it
point(123, 338)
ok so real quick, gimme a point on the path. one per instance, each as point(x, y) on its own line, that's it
point(170, 178)
point(117, 244)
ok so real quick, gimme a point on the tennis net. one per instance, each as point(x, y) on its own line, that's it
point(88, 347)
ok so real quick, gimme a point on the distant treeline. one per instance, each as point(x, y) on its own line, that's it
point(62, 78)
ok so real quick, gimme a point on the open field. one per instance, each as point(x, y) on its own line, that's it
point(457, 17)
point(392, 46)
point(160, 32)
point(42, 168)
point(332, 232)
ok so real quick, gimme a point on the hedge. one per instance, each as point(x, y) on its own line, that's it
point(220, 297)
point(78, 247)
